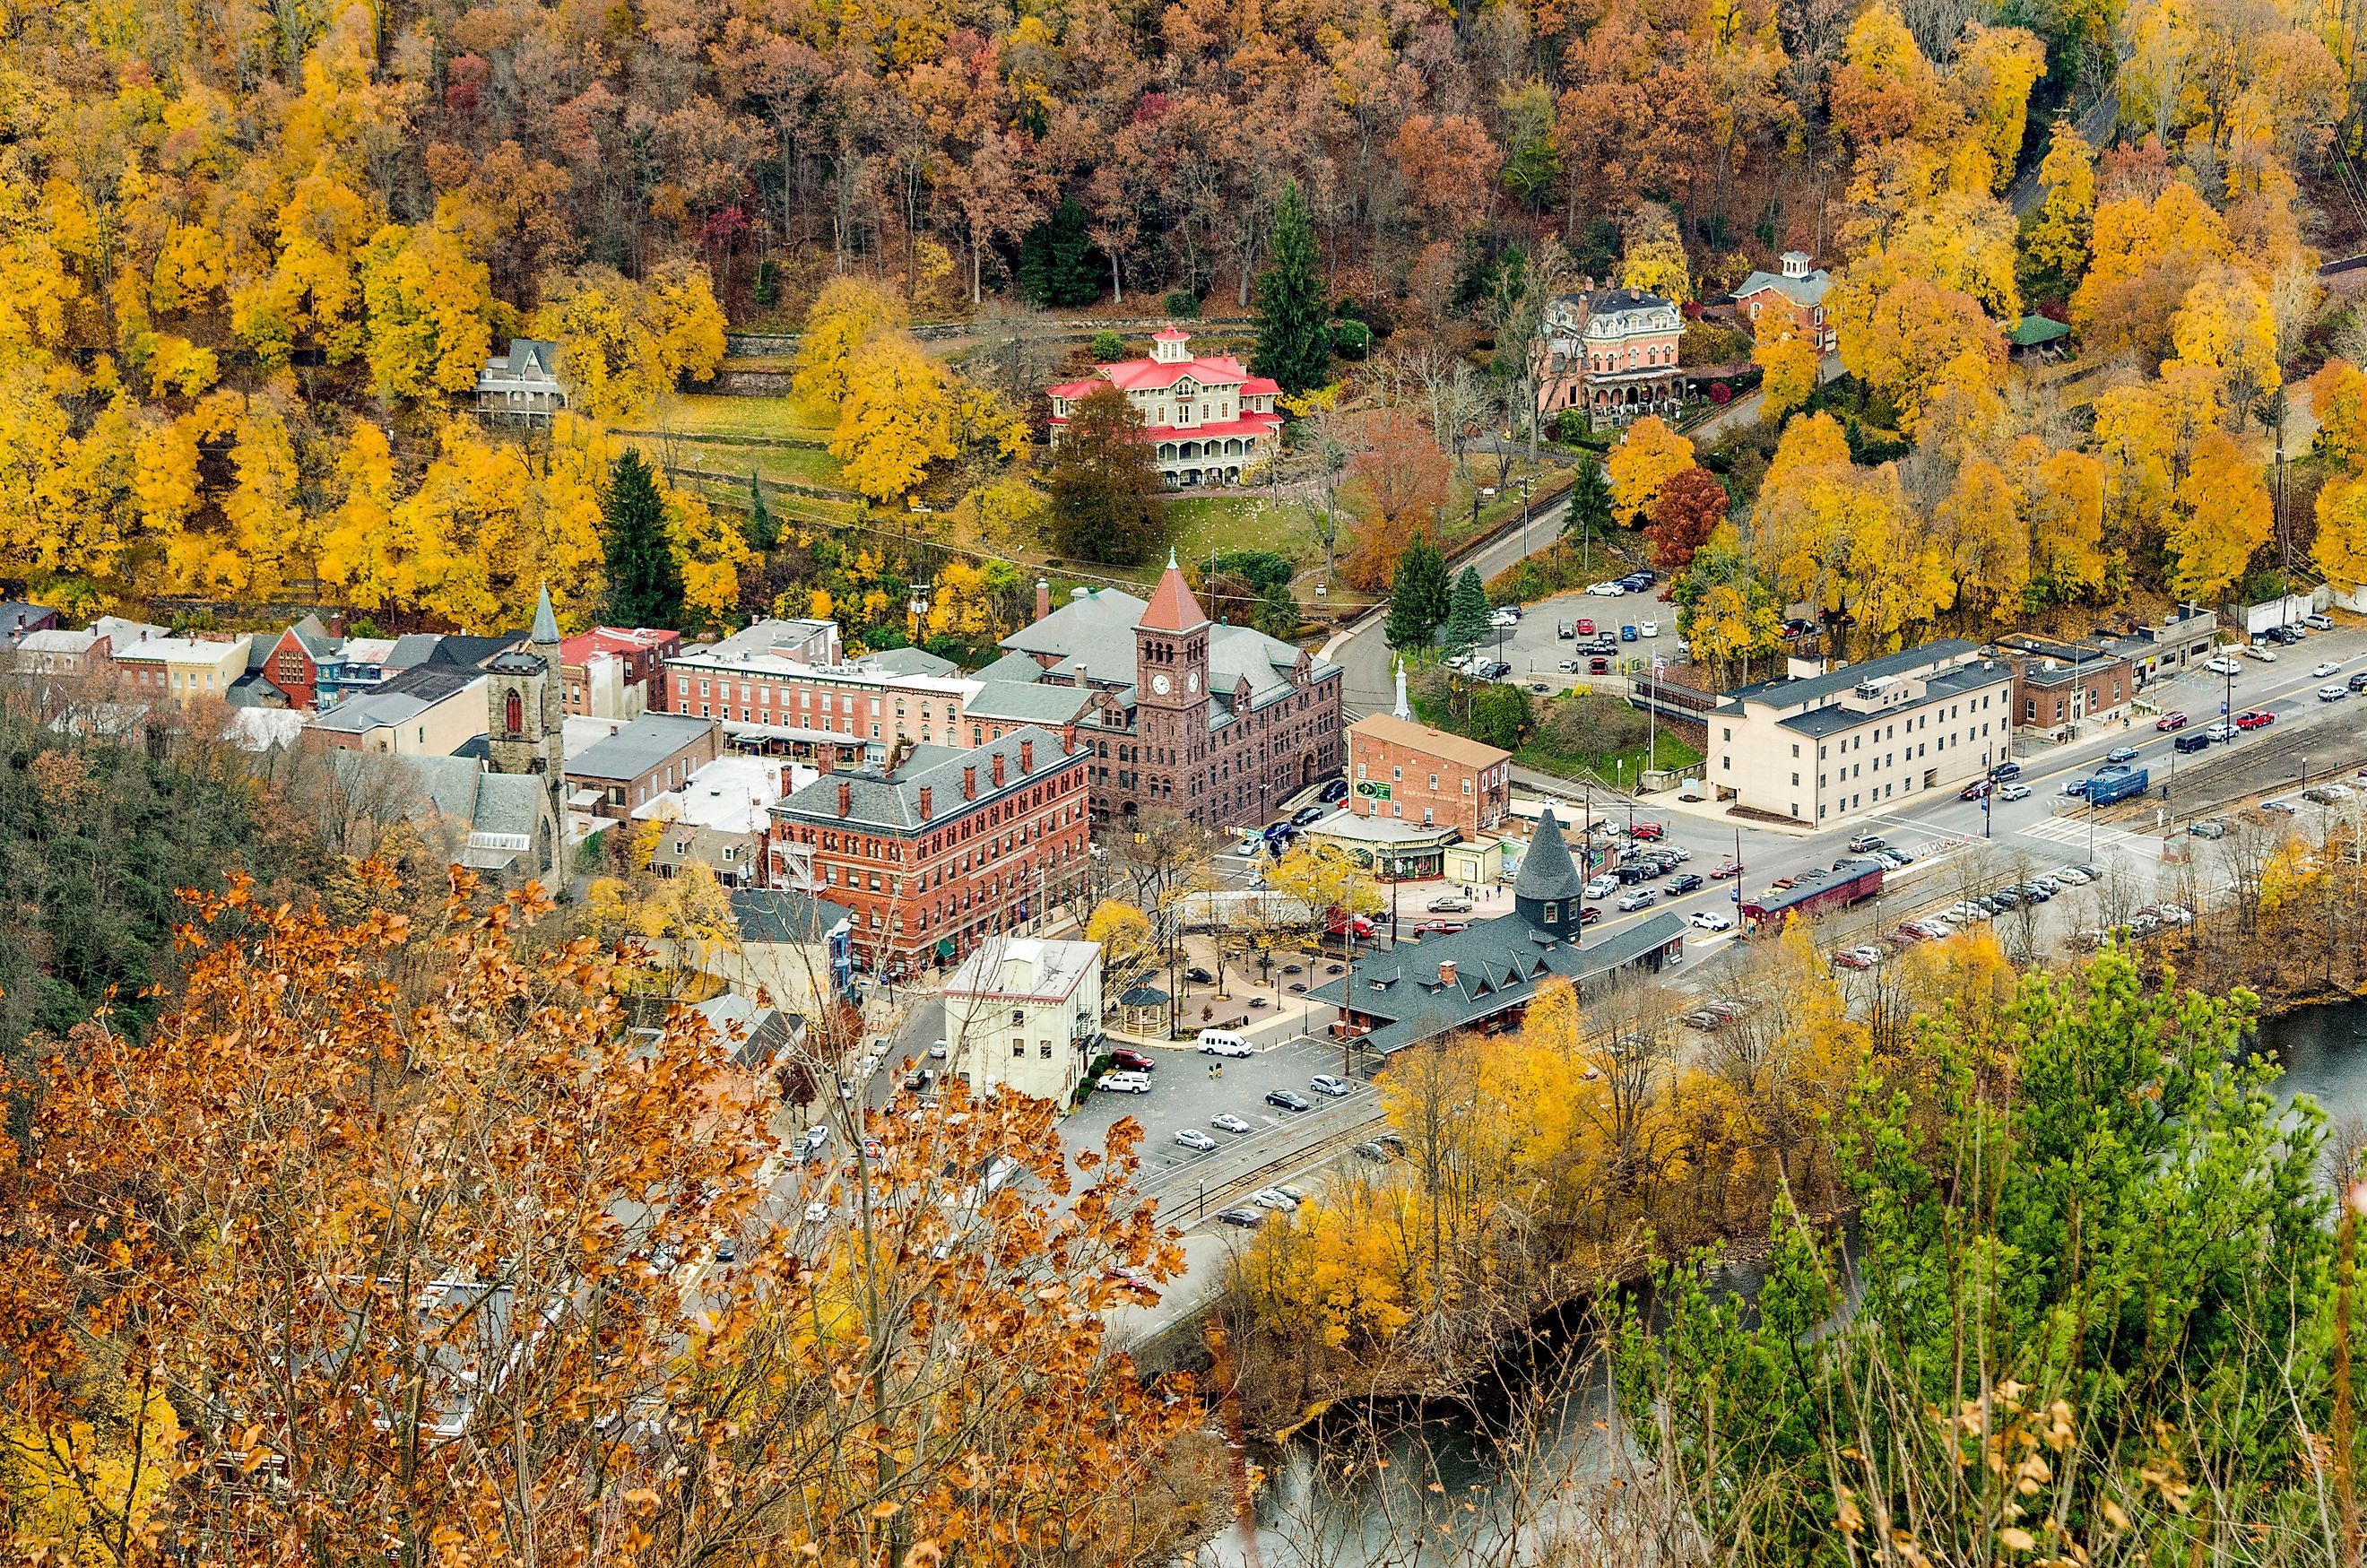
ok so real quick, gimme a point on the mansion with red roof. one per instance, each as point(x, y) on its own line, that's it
point(1212, 421)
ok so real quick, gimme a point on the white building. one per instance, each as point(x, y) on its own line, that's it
point(1209, 420)
point(1824, 747)
point(720, 817)
point(1024, 1012)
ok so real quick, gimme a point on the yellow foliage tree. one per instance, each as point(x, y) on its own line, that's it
point(429, 308)
point(1646, 458)
point(2338, 397)
point(79, 1493)
point(2057, 242)
point(622, 343)
point(1994, 71)
point(2340, 548)
point(2225, 324)
point(848, 313)
point(1655, 259)
point(1789, 367)
point(710, 552)
point(1908, 339)
point(896, 419)
point(1985, 542)
point(357, 552)
point(2220, 514)
point(2061, 496)
point(1128, 949)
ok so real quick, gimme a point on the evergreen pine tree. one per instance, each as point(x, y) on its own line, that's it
point(1293, 345)
point(1590, 502)
point(762, 532)
point(1056, 260)
point(644, 583)
point(1467, 621)
point(1418, 600)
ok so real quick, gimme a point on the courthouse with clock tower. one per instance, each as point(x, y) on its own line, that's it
point(1220, 723)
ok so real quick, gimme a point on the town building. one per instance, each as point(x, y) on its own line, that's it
point(2178, 641)
point(1611, 352)
point(433, 711)
point(1392, 850)
point(1411, 772)
point(1219, 722)
point(1211, 421)
point(21, 618)
point(1483, 977)
point(2060, 684)
point(55, 650)
point(1818, 748)
point(498, 824)
point(1797, 291)
point(785, 688)
point(1024, 1013)
point(617, 671)
point(721, 816)
point(525, 728)
point(315, 665)
point(656, 754)
point(941, 849)
point(793, 949)
point(522, 386)
point(182, 668)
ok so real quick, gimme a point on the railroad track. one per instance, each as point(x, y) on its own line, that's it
point(1265, 1175)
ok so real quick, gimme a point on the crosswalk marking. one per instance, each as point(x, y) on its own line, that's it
point(2076, 830)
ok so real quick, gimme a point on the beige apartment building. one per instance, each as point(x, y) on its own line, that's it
point(182, 668)
point(1821, 748)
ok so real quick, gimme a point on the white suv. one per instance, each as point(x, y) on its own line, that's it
point(1602, 888)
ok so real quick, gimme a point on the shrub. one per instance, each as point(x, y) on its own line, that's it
point(1108, 346)
point(1592, 724)
point(1182, 303)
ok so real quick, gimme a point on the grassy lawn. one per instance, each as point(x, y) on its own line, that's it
point(785, 465)
point(1201, 523)
point(1622, 768)
point(703, 414)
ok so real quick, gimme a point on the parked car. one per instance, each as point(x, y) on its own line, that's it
point(2255, 718)
point(2173, 719)
point(2265, 655)
point(1223, 1043)
point(1324, 1083)
point(1627, 634)
point(1605, 590)
point(1976, 789)
point(1247, 1219)
point(2014, 792)
point(2282, 807)
point(1450, 904)
point(2005, 771)
point(1124, 1083)
point(1867, 843)
point(1306, 814)
point(1639, 899)
point(2207, 827)
point(1225, 1121)
point(1373, 1151)
point(1267, 1198)
point(2122, 754)
point(2223, 665)
point(1193, 1138)
point(1710, 920)
point(2318, 623)
point(1198, 975)
point(2334, 692)
point(1288, 1100)
point(1566, 630)
point(1132, 1061)
point(1601, 887)
point(2075, 876)
point(1335, 793)
point(1685, 883)
point(1585, 626)
point(1651, 628)
point(1649, 831)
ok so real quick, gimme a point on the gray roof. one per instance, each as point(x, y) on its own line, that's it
point(1546, 869)
point(1937, 688)
point(1035, 704)
point(1092, 639)
point(315, 638)
point(401, 699)
point(25, 612)
point(639, 747)
point(781, 914)
point(907, 662)
point(1500, 964)
point(1094, 630)
point(509, 803)
point(1809, 290)
point(1016, 668)
point(546, 625)
point(1792, 691)
point(877, 800)
point(252, 690)
point(531, 356)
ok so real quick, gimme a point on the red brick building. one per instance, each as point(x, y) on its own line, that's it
point(617, 671)
point(1410, 773)
point(945, 849)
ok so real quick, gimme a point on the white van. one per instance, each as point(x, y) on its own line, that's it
point(1223, 1043)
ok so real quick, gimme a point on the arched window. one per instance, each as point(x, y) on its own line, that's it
point(514, 718)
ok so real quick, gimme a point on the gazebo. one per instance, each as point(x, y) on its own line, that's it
point(1145, 1009)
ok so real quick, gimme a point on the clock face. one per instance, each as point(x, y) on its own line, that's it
point(1192, 681)
point(1159, 684)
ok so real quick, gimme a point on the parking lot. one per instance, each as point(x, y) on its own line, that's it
point(1535, 650)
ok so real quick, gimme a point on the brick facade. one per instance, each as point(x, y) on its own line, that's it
point(952, 848)
point(1408, 773)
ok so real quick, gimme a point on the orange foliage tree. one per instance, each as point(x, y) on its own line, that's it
point(432, 1255)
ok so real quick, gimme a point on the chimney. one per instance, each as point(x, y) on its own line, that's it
point(1043, 598)
point(997, 762)
point(788, 779)
point(1026, 757)
point(826, 759)
point(845, 799)
point(336, 623)
point(928, 808)
point(969, 781)
point(1068, 740)
point(1446, 971)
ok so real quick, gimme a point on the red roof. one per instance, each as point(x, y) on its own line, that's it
point(1257, 385)
point(614, 639)
point(1172, 334)
point(1171, 607)
point(1144, 374)
point(1073, 389)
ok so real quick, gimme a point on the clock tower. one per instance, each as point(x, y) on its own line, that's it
point(1171, 693)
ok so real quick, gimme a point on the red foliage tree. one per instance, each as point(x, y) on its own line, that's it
point(1689, 508)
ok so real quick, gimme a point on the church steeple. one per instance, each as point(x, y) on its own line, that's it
point(546, 625)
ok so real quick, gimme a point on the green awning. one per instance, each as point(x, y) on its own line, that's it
point(945, 947)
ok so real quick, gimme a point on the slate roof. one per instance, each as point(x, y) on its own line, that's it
point(405, 697)
point(1034, 703)
point(1014, 667)
point(781, 914)
point(254, 691)
point(1546, 869)
point(508, 803)
point(1500, 964)
point(1809, 290)
point(639, 747)
point(1789, 692)
point(315, 638)
point(907, 662)
point(546, 625)
point(894, 804)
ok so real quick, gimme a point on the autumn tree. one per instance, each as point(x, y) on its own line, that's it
point(1106, 502)
point(1789, 372)
point(896, 419)
point(848, 313)
point(2055, 245)
point(1648, 457)
point(1688, 506)
point(428, 305)
point(2219, 516)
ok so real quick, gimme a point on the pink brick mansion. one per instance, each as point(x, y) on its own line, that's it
point(1211, 421)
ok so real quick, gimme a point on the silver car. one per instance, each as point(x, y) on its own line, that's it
point(1193, 1138)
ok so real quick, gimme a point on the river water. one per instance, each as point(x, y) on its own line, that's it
point(1484, 1479)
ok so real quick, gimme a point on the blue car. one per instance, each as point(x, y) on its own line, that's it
point(1626, 634)
point(2122, 754)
